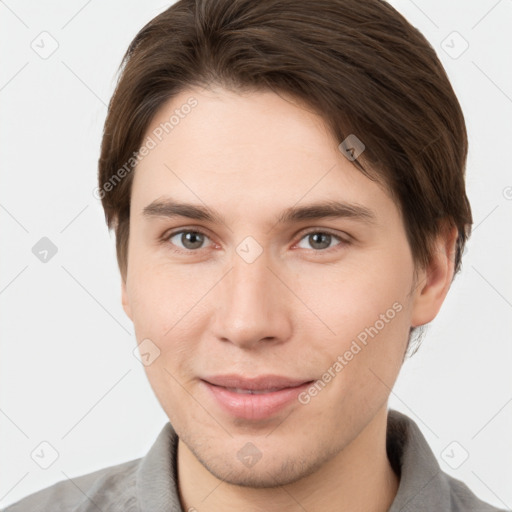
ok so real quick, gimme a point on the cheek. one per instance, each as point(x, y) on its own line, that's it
point(163, 298)
point(166, 306)
point(170, 307)
point(367, 312)
point(354, 296)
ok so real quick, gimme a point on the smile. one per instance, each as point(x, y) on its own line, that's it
point(254, 399)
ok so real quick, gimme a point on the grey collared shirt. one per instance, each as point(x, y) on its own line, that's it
point(149, 484)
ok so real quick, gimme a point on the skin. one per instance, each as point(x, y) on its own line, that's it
point(291, 312)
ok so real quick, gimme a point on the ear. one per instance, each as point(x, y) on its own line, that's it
point(124, 299)
point(434, 281)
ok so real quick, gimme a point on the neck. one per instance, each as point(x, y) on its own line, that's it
point(359, 478)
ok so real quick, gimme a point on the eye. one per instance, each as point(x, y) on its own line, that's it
point(187, 239)
point(320, 240)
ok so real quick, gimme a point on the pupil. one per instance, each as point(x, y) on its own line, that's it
point(317, 237)
point(191, 240)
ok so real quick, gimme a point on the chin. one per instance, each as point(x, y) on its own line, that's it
point(279, 470)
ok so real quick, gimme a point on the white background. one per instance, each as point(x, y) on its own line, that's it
point(67, 372)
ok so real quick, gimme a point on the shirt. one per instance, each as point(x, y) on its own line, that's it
point(149, 484)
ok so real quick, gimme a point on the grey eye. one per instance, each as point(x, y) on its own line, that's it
point(318, 240)
point(188, 239)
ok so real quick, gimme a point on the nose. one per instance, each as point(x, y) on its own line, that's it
point(253, 305)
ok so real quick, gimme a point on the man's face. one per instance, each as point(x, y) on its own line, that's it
point(311, 314)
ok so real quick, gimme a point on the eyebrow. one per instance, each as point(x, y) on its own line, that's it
point(170, 208)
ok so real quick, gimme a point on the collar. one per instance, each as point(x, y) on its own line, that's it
point(423, 485)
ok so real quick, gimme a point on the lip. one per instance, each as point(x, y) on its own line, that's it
point(255, 398)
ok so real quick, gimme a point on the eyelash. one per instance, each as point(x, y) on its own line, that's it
point(343, 242)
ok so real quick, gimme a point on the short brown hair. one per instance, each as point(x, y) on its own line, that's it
point(359, 64)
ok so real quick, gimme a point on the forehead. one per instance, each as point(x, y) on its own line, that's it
point(254, 150)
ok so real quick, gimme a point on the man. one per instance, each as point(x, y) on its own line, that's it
point(286, 184)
